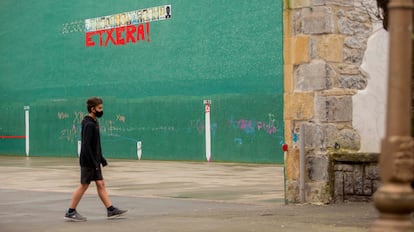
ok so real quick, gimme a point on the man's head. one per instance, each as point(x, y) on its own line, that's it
point(93, 103)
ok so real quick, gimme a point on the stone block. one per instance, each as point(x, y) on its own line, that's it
point(287, 50)
point(355, 157)
point(338, 92)
point(330, 47)
point(342, 2)
point(300, 49)
point(357, 198)
point(319, 136)
point(358, 82)
point(371, 4)
point(298, 106)
point(317, 168)
point(347, 69)
point(358, 41)
point(294, 4)
point(296, 50)
point(348, 139)
point(318, 2)
point(315, 20)
point(313, 48)
point(353, 56)
point(287, 25)
point(372, 172)
point(318, 20)
point(292, 164)
point(288, 82)
point(345, 26)
point(333, 108)
point(367, 187)
point(311, 77)
point(344, 167)
point(368, 183)
point(288, 133)
point(331, 76)
point(318, 192)
point(354, 23)
point(292, 191)
point(358, 179)
point(339, 187)
point(348, 183)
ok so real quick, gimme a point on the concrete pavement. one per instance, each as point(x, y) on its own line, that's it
point(164, 196)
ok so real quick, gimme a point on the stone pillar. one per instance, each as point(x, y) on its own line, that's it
point(395, 198)
point(324, 43)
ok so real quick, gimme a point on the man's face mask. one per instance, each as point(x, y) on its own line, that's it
point(99, 114)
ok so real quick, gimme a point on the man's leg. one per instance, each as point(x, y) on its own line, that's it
point(72, 214)
point(100, 187)
point(111, 210)
point(77, 195)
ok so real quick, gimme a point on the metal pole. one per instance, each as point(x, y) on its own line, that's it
point(26, 119)
point(79, 147)
point(302, 163)
point(207, 104)
point(395, 198)
point(139, 149)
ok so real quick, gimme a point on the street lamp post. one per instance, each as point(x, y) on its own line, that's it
point(395, 198)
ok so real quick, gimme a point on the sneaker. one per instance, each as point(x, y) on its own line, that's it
point(116, 212)
point(74, 217)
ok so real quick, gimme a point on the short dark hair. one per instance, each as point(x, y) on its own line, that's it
point(92, 102)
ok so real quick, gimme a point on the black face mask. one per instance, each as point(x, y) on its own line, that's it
point(99, 114)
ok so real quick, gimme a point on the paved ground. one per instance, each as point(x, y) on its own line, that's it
point(164, 196)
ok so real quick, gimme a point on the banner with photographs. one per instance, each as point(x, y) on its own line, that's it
point(128, 18)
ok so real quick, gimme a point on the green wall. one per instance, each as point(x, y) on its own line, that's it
point(227, 51)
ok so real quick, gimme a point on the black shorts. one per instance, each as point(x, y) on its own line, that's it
point(90, 174)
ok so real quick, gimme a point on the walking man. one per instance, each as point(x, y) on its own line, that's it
point(91, 160)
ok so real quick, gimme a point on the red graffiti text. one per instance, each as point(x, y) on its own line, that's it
point(118, 36)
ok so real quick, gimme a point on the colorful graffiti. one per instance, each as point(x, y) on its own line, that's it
point(114, 127)
point(117, 126)
point(250, 126)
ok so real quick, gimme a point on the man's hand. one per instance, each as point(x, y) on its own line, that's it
point(104, 163)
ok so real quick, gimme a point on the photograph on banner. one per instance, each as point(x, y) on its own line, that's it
point(123, 20)
point(155, 14)
point(167, 12)
point(145, 17)
point(133, 17)
point(108, 22)
point(89, 26)
point(139, 16)
point(161, 11)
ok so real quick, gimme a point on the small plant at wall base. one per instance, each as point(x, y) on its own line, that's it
point(383, 15)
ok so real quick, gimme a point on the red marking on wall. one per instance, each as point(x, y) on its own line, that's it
point(119, 36)
point(12, 137)
point(141, 33)
point(148, 32)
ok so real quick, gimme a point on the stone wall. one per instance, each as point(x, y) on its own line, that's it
point(355, 176)
point(324, 44)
